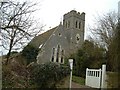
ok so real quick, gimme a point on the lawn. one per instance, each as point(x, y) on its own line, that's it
point(64, 83)
point(112, 79)
point(78, 80)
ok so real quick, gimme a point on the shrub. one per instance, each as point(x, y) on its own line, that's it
point(30, 53)
point(14, 52)
point(47, 75)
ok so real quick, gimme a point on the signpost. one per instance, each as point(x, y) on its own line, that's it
point(71, 67)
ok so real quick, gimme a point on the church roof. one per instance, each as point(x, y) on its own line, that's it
point(42, 38)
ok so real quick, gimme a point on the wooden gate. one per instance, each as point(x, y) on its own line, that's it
point(96, 77)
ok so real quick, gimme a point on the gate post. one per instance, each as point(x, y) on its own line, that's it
point(71, 67)
point(86, 77)
point(103, 81)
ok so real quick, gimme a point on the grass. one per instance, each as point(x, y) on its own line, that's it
point(78, 80)
point(64, 83)
point(112, 79)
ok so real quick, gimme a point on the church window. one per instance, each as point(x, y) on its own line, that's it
point(58, 50)
point(57, 59)
point(53, 53)
point(76, 24)
point(77, 38)
point(79, 25)
point(59, 34)
point(68, 24)
point(62, 56)
point(63, 22)
point(52, 59)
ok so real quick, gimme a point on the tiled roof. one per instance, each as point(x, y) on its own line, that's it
point(42, 38)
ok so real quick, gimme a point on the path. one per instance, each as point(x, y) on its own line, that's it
point(82, 87)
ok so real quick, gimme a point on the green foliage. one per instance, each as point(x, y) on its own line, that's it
point(78, 80)
point(47, 75)
point(95, 53)
point(6, 77)
point(118, 48)
point(14, 52)
point(113, 53)
point(33, 76)
point(80, 63)
point(90, 56)
point(30, 53)
point(112, 79)
point(14, 76)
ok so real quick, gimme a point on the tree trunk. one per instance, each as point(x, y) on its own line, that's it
point(8, 55)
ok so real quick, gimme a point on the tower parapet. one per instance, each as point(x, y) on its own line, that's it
point(71, 17)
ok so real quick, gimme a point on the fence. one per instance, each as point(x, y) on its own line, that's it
point(96, 78)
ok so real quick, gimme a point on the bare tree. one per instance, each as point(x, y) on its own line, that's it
point(104, 33)
point(104, 29)
point(17, 25)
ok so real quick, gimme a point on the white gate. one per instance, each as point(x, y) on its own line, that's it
point(96, 77)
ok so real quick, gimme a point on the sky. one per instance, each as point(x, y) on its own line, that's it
point(51, 11)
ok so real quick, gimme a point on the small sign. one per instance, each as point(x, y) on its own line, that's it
point(71, 63)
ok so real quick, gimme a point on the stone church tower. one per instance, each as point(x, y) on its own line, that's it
point(74, 24)
point(61, 41)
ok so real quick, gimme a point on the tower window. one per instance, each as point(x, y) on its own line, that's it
point(68, 24)
point(76, 24)
point(77, 38)
point(60, 34)
point(79, 25)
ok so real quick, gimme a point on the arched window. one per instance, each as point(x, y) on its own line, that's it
point(62, 56)
point(53, 53)
point(68, 24)
point(79, 25)
point(58, 50)
point(76, 24)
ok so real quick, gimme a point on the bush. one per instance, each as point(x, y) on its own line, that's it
point(47, 75)
point(81, 62)
point(30, 53)
point(7, 82)
point(14, 52)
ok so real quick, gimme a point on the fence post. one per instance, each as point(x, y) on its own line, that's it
point(71, 67)
point(103, 82)
point(86, 76)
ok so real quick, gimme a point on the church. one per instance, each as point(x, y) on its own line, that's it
point(62, 40)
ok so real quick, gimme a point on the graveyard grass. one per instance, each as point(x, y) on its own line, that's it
point(112, 79)
point(78, 80)
point(64, 83)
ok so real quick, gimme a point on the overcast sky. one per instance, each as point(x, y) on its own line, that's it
point(52, 11)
